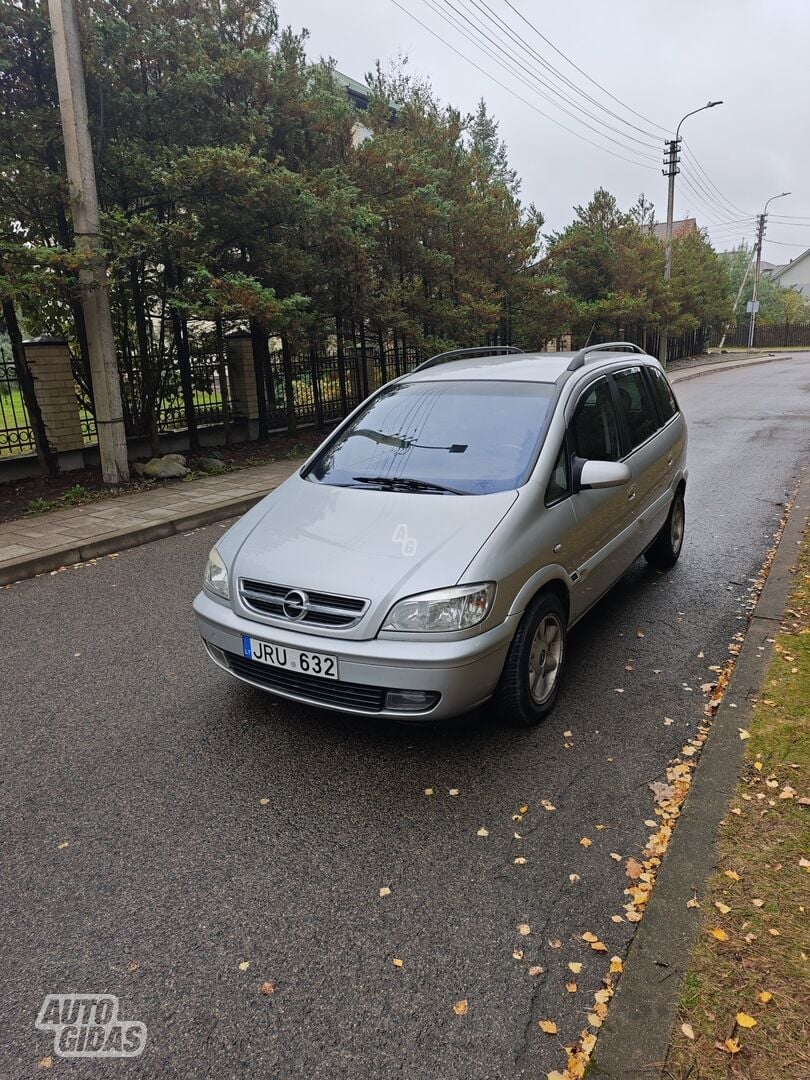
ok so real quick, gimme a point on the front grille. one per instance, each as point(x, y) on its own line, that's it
point(344, 695)
point(322, 609)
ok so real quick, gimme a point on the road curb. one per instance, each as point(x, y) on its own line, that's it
point(634, 1041)
point(685, 374)
point(45, 561)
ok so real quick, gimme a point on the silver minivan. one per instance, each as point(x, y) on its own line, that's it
point(436, 549)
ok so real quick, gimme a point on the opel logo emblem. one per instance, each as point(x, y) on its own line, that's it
point(295, 604)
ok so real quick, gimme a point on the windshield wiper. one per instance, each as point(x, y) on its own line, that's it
point(407, 483)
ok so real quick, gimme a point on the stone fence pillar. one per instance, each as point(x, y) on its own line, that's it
point(49, 361)
point(242, 374)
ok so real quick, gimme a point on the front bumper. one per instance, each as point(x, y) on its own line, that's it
point(463, 673)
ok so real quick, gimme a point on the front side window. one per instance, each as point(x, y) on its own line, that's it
point(558, 482)
point(636, 405)
point(469, 438)
point(594, 427)
point(663, 393)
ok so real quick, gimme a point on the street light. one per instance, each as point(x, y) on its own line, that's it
point(755, 295)
point(671, 162)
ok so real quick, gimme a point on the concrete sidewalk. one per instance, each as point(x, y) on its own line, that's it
point(35, 545)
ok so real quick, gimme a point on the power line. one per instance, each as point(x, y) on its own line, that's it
point(510, 63)
point(515, 94)
point(483, 7)
point(584, 73)
point(690, 153)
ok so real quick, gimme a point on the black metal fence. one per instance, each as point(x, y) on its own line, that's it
point(326, 386)
point(766, 335)
point(690, 344)
point(16, 435)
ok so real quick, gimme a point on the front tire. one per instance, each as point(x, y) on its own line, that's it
point(665, 549)
point(530, 680)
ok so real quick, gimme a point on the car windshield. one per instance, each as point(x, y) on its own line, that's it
point(460, 438)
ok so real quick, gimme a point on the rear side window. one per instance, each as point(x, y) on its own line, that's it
point(636, 405)
point(663, 393)
point(594, 427)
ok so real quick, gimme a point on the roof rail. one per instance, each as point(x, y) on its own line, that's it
point(455, 354)
point(608, 346)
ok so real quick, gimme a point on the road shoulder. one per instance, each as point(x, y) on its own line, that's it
point(634, 1041)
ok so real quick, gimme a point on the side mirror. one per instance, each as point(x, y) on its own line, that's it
point(603, 474)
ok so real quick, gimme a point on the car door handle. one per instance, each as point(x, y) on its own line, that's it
point(631, 494)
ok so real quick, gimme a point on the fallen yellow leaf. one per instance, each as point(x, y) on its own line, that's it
point(575, 966)
point(267, 988)
point(721, 935)
point(615, 856)
point(520, 860)
point(764, 996)
point(724, 909)
point(599, 946)
point(428, 790)
point(483, 832)
point(571, 987)
point(523, 809)
point(733, 875)
point(264, 802)
point(517, 954)
point(616, 965)
point(244, 965)
point(46, 1062)
point(453, 791)
point(460, 1008)
point(524, 929)
point(688, 1031)
point(586, 842)
point(746, 1021)
point(396, 962)
point(588, 936)
point(385, 891)
point(731, 1046)
point(547, 805)
point(535, 969)
point(548, 1026)
point(633, 869)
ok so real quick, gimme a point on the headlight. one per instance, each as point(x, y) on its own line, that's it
point(216, 575)
point(445, 609)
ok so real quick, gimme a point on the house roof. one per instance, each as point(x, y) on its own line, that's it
point(359, 94)
point(679, 228)
point(793, 262)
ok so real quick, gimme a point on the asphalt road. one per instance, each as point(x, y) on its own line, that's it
point(121, 740)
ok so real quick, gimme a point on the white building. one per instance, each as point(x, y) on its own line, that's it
point(795, 274)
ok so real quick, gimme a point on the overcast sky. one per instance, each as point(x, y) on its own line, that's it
point(658, 58)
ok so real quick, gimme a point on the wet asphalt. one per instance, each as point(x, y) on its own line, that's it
point(122, 742)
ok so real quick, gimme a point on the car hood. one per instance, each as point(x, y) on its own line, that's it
point(378, 545)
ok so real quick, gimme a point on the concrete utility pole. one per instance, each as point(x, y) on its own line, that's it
point(755, 297)
point(671, 158)
point(67, 54)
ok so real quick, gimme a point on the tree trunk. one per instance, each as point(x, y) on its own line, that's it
point(46, 456)
point(149, 391)
point(222, 372)
point(289, 385)
point(341, 359)
point(180, 332)
point(258, 342)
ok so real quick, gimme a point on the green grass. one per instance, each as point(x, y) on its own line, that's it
point(764, 837)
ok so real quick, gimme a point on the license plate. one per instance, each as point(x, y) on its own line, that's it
point(281, 656)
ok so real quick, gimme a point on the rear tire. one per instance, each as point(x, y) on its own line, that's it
point(666, 547)
point(531, 676)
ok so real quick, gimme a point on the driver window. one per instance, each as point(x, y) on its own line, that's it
point(594, 427)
